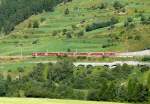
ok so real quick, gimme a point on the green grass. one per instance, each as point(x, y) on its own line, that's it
point(27, 64)
point(91, 41)
point(13, 66)
point(48, 101)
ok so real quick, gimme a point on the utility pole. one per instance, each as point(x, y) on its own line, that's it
point(76, 52)
point(21, 52)
point(126, 37)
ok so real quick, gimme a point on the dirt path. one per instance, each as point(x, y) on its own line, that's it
point(134, 54)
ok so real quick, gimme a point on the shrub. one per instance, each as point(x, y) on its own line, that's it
point(107, 45)
point(129, 25)
point(146, 58)
point(66, 12)
point(145, 20)
point(54, 33)
point(35, 41)
point(80, 34)
point(93, 95)
point(74, 27)
point(80, 95)
point(68, 35)
point(35, 24)
point(68, 50)
point(136, 11)
point(117, 5)
point(42, 19)
point(137, 37)
point(126, 24)
point(64, 31)
point(102, 6)
point(113, 21)
point(2, 87)
point(129, 19)
point(29, 25)
point(98, 25)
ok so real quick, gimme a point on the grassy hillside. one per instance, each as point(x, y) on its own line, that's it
point(58, 31)
point(80, 25)
point(48, 101)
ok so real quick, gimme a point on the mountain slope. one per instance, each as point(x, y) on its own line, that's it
point(65, 28)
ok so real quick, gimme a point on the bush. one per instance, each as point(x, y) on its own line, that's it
point(117, 5)
point(29, 24)
point(42, 19)
point(2, 87)
point(137, 37)
point(146, 58)
point(64, 31)
point(107, 45)
point(129, 25)
point(80, 95)
point(74, 27)
point(129, 19)
point(103, 6)
point(54, 33)
point(93, 95)
point(98, 25)
point(68, 35)
point(66, 12)
point(113, 21)
point(35, 41)
point(126, 24)
point(80, 34)
point(137, 92)
point(145, 20)
point(35, 24)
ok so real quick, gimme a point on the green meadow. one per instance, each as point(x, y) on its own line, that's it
point(49, 35)
point(48, 101)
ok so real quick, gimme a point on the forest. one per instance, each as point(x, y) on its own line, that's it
point(65, 81)
point(12, 12)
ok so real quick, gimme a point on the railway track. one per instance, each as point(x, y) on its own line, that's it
point(86, 54)
point(14, 57)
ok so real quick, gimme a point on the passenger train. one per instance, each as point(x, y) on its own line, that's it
point(74, 54)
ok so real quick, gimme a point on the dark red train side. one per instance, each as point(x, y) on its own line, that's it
point(74, 54)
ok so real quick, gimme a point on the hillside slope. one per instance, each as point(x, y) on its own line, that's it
point(114, 28)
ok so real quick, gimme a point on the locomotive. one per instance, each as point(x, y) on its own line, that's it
point(74, 54)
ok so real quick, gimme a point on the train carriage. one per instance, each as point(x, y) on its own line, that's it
point(74, 54)
point(96, 54)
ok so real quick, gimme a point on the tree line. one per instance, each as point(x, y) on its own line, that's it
point(64, 80)
point(12, 12)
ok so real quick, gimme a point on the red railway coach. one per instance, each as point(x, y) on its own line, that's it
point(75, 54)
point(109, 54)
point(96, 54)
point(84, 54)
point(52, 54)
point(44, 54)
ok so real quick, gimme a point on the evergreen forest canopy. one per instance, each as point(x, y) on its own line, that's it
point(12, 12)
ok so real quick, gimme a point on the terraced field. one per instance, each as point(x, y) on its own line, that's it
point(49, 36)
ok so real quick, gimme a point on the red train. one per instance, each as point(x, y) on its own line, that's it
point(75, 54)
